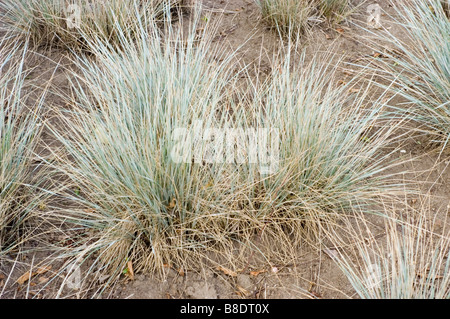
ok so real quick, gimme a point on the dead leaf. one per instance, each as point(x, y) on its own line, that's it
point(257, 272)
point(2, 283)
point(377, 55)
point(42, 270)
point(340, 30)
point(130, 270)
point(348, 73)
point(354, 90)
point(227, 272)
point(172, 204)
point(24, 278)
point(28, 275)
point(2, 276)
point(181, 272)
point(42, 280)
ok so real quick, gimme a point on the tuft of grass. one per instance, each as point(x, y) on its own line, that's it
point(330, 155)
point(410, 263)
point(19, 131)
point(143, 205)
point(71, 23)
point(420, 63)
point(294, 17)
point(332, 9)
point(288, 16)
